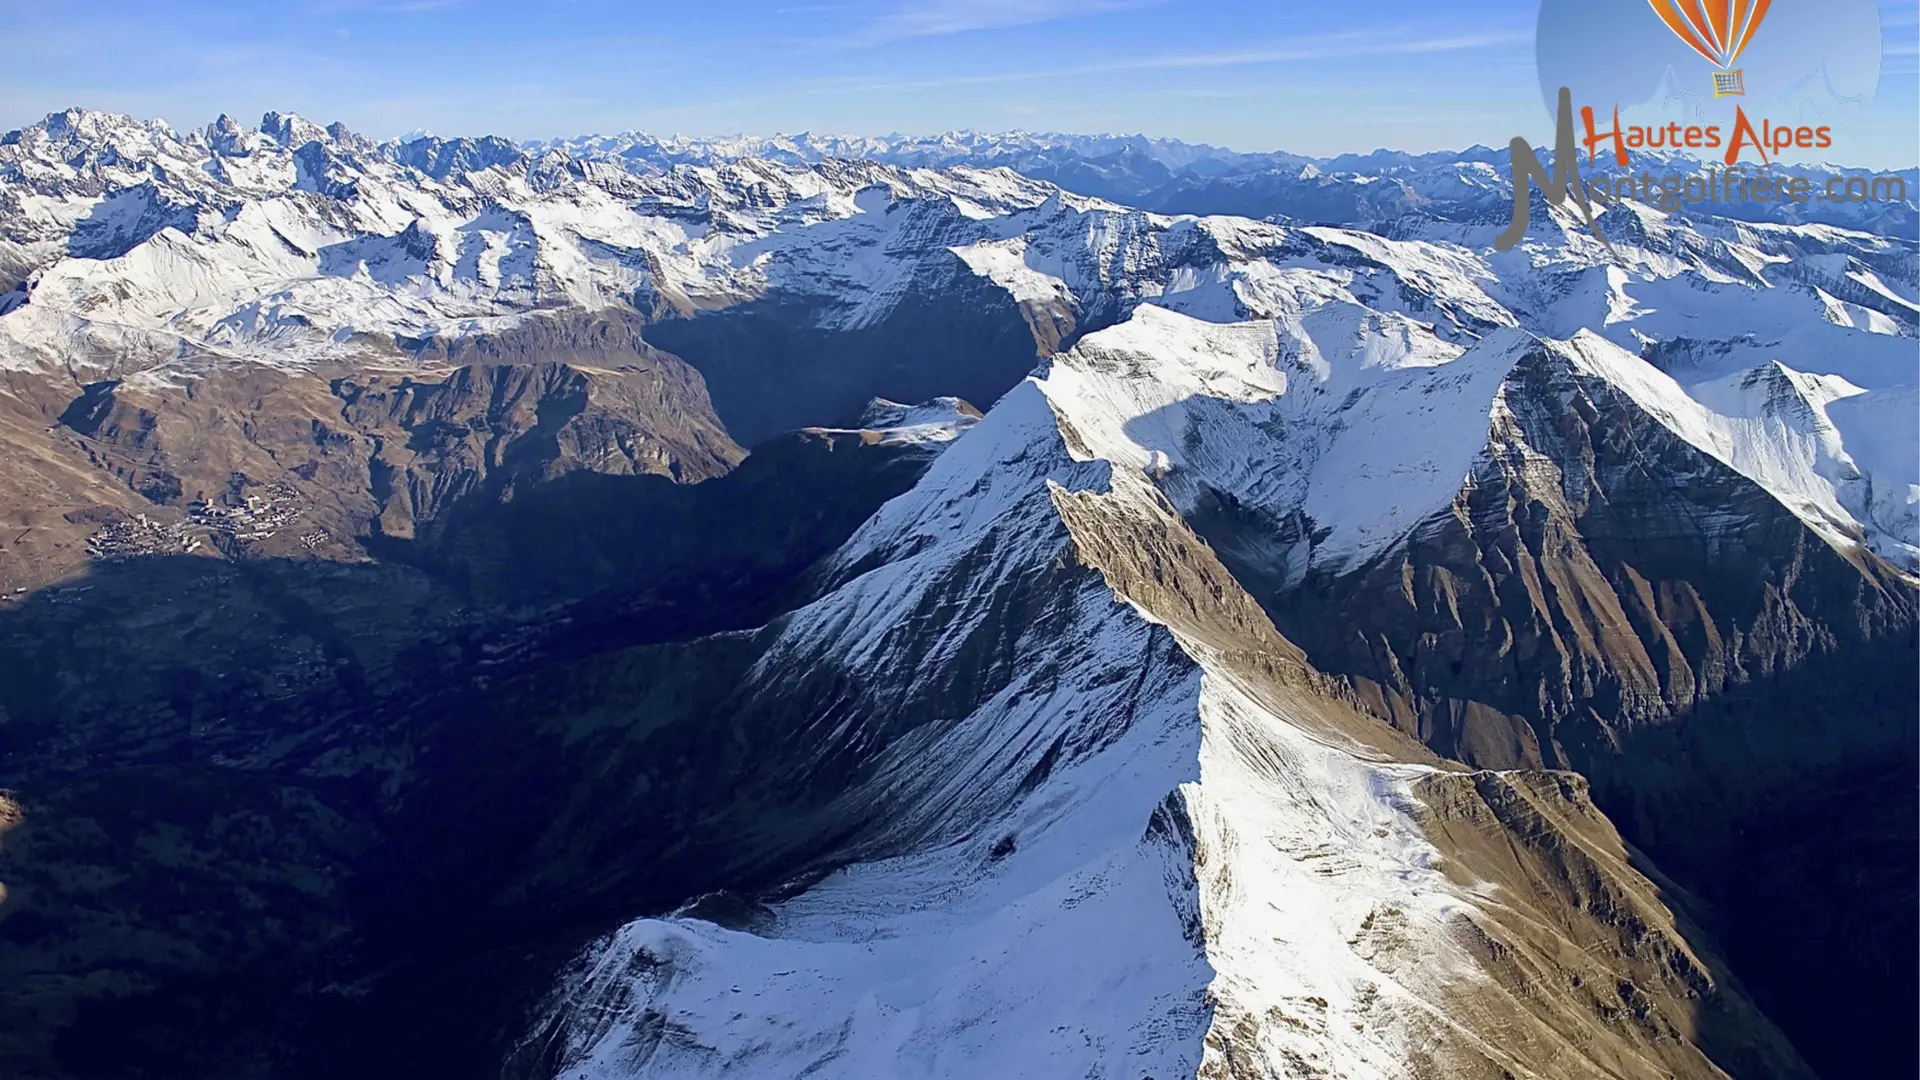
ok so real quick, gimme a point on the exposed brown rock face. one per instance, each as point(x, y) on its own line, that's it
point(274, 463)
point(1596, 971)
point(51, 498)
point(1600, 970)
point(1603, 597)
point(1598, 575)
point(499, 428)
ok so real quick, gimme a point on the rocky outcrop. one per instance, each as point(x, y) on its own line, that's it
point(1582, 938)
point(485, 433)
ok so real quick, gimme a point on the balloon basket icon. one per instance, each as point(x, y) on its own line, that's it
point(1718, 30)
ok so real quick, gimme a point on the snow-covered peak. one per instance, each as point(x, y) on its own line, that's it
point(1357, 455)
point(82, 127)
point(290, 131)
point(1361, 453)
point(1844, 458)
point(1376, 189)
point(946, 149)
point(1287, 867)
point(305, 243)
point(446, 158)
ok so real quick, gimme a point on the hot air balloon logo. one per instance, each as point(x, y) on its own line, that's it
point(1716, 29)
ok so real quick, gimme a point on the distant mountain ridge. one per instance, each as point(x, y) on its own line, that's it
point(1157, 174)
point(1171, 176)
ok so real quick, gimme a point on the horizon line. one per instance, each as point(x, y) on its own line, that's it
point(560, 141)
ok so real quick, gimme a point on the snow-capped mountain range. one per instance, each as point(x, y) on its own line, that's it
point(145, 254)
point(1314, 662)
point(1171, 176)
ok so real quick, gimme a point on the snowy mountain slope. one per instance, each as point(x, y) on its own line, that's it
point(1179, 781)
point(1354, 449)
point(1771, 424)
point(931, 422)
point(1313, 467)
point(1702, 305)
point(886, 955)
point(1321, 482)
point(279, 266)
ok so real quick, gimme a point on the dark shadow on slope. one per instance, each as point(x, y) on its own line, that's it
point(298, 818)
point(1790, 807)
point(267, 811)
point(643, 538)
point(769, 367)
point(127, 218)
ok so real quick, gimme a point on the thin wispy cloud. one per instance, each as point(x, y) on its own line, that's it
point(1899, 41)
point(934, 18)
point(381, 7)
point(1899, 16)
point(1323, 47)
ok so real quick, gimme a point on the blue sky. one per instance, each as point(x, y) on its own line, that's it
point(1313, 78)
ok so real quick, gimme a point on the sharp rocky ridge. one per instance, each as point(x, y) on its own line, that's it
point(1339, 650)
